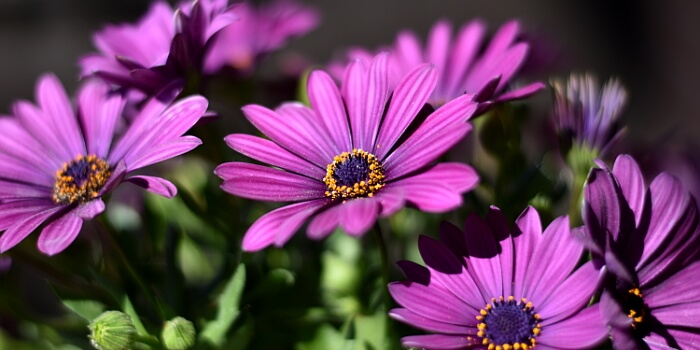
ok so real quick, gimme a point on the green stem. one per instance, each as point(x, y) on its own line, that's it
point(386, 278)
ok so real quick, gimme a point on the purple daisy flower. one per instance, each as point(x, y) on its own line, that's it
point(349, 158)
point(648, 239)
point(165, 46)
point(492, 288)
point(56, 164)
point(464, 67)
point(588, 114)
point(258, 31)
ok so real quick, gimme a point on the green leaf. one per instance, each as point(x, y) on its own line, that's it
point(214, 331)
point(326, 337)
point(87, 309)
point(370, 331)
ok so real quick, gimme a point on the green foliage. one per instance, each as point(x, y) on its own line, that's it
point(214, 332)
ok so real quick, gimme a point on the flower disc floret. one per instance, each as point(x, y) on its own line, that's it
point(508, 324)
point(81, 179)
point(354, 174)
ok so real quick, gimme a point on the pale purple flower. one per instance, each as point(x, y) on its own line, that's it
point(490, 287)
point(166, 46)
point(56, 163)
point(258, 31)
point(648, 239)
point(465, 66)
point(352, 156)
point(587, 113)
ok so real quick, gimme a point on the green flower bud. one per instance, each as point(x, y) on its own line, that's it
point(112, 330)
point(178, 334)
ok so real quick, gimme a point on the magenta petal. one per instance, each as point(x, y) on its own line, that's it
point(520, 93)
point(408, 317)
point(407, 100)
point(278, 226)
point(414, 272)
point(59, 234)
point(35, 122)
point(484, 265)
point(99, 112)
point(269, 152)
point(680, 288)
point(602, 210)
point(16, 211)
point(527, 235)
point(428, 196)
point(165, 151)
point(465, 49)
point(55, 103)
point(21, 229)
point(582, 331)
point(89, 210)
point(440, 342)
point(431, 303)
point(326, 101)
point(678, 315)
point(376, 93)
point(358, 215)
point(309, 131)
point(324, 222)
point(269, 184)
point(18, 143)
point(631, 182)
point(353, 91)
point(460, 177)
point(154, 184)
point(391, 199)
point(561, 303)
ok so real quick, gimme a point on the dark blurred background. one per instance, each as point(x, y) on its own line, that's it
point(653, 46)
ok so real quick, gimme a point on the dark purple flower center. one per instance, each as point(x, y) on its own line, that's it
point(506, 322)
point(80, 180)
point(637, 310)
point(354, 174)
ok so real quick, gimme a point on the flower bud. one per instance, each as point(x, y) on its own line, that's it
point(112, 330)
point(178, 334)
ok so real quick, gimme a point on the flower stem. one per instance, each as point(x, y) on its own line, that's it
point(386, 278)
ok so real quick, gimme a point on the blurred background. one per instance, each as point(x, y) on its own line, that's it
point(652, 46)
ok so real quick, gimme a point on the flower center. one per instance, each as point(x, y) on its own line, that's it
point(80, 180)
point(637, 309)
point(508, 324)
point(354, 174)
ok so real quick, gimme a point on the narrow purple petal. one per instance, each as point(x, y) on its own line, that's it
point(55, 103)
point(324, 223)
point(21, 229)
point(582, 331)
point(438, 46)
point(440, 342)
point(527, 235)
point(358, 215)
point(164, 151)
point(354, 94)
point(561, 303)
point(407, 100)
point(682, 338)
point(453, 238)
point(268, 184)
point(631, 182)
point(408, 49)
point(18, 143)
point(680, 288)
point(376, 94)
point(679, 315)
point(34, 121)
point(391, 199)
point(59, 234)
point(431, 303)
point(414, 272)
point(154, 184)
point(14, 170)
point(413, 319)
point(602, 210)
point(562, 253)
point(460, 177)
point(326, 101)
point(269, 152)
point(278, 226)
point(484, 266)
point(428, 196)
point(13, 212)
point(16, 190)
point(310, 130)
point(465, 49)
point(89, 210)
point(520, 93)
point(99, 113)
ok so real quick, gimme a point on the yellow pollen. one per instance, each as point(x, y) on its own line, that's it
point(638, 309)
point(80, 180)
point(335, 189)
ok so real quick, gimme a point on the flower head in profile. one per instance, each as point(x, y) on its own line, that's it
point(492, 288)
point(56, 163)
point(464, 67)
point(259, 30)
point(586, 113)
point(648, 238)
point(358, 153)
point(167, 45)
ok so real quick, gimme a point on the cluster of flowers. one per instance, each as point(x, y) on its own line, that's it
point(363, 149)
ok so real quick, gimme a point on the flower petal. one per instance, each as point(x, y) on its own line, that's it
point(59, 234)
point(54, 101)
point(268, 184)
point(527, 235)
point(99, 111)
point(154, 184)
point(21, 229)
point(582, 331)
point(440, 342)
point(484, 263)
point(269, 152)
point(164, 151)
point(278, 226)
point(413, 319)
point(358, 215)
point(569, 296)
point(431, 303)
point(326, 101)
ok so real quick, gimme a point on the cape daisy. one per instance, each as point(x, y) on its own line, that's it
point(352, 156)
point(490, 287)
point(56, 164)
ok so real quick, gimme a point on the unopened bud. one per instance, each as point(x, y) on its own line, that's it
point(112, 330)
point(178, 334)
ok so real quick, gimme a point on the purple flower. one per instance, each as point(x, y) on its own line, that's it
point(351, 157)
point(56, 164)
point(464, 67)
point(492, 288)
point(164, 47)
point(648, 238)
point(259, 31)
point(585, 113)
